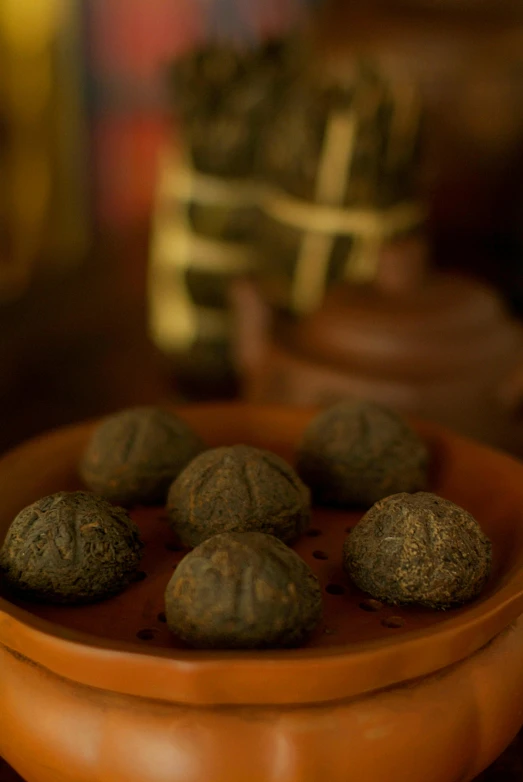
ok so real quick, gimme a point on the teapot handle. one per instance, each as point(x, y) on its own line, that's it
point(511, 389)
point(403, 266)
point(252, 321)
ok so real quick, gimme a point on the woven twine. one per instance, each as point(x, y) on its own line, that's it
point(326, 219)
point(175, 320)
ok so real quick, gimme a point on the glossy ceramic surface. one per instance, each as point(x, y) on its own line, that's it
point(436, 345)
point(104, 693)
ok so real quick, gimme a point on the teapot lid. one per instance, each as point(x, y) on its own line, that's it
point(409, 322)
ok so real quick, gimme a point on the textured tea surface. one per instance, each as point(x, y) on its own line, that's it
point(70, 548)
point(134, 455)
point(238, 489)
point(357, 452)
point(419, 549)
point(350, 617)
point(243, 590)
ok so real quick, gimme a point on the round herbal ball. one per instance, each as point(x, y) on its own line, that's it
point(357, 452)
point(134, 455)
point(243, 590)
point(70, 548)
point(238, 489)
point(420, 549)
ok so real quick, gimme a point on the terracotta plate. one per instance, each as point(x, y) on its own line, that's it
point(123, 644)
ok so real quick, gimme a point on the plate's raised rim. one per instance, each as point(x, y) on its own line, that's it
point(276, 677)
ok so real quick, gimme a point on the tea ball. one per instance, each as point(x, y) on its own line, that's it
point(238, 489)
point(70, 548)
point(134, 455)
point(418, 548)
point(356, 452)
point(243, 590)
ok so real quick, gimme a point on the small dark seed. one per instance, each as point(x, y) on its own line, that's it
point(393, 622)
point(145, 635)
point(174, 547)
point(320, 555)
point(335, 589)
point(371, 605)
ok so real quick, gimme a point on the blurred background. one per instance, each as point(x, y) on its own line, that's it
point(276, 200)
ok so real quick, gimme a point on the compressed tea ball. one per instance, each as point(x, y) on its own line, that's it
point(418, 548)
point(133, 456)
point(238, 489)
point(357, 452)
point(243, 590)
point(70, 548)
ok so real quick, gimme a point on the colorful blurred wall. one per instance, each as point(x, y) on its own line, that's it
point(83, 113)
point(129, 45)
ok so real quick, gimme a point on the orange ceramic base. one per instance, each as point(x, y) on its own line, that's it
point(105, 693)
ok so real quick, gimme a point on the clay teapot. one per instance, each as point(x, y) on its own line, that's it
point(441, 346)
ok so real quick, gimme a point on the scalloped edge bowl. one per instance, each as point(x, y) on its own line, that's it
point(360, 711)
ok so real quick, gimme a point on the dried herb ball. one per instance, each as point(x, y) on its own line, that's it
point(357, 452)
point(70, 548)
point(418, 548)
point(243, 590)
point(238, 489)
point(133, 456)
